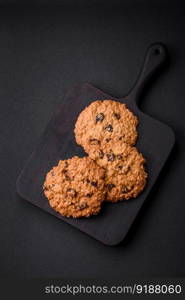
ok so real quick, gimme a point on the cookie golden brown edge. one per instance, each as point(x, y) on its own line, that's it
point(75, 187)
point(125, 170)
point(104, 122)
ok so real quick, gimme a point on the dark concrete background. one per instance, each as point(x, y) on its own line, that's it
point(46, 50)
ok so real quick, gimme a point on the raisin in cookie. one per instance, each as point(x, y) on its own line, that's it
point(125, 173)
point(75, 187)
point(103, 122)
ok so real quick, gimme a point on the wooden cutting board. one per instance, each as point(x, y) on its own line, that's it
point(155, 142)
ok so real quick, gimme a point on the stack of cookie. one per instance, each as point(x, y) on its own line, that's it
point(112, 171)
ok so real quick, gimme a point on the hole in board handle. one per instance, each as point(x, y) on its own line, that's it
point(157, 51)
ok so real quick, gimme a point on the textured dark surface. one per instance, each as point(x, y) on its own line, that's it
point(44, 51)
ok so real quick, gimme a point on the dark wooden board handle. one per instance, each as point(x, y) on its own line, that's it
point(154, 58)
